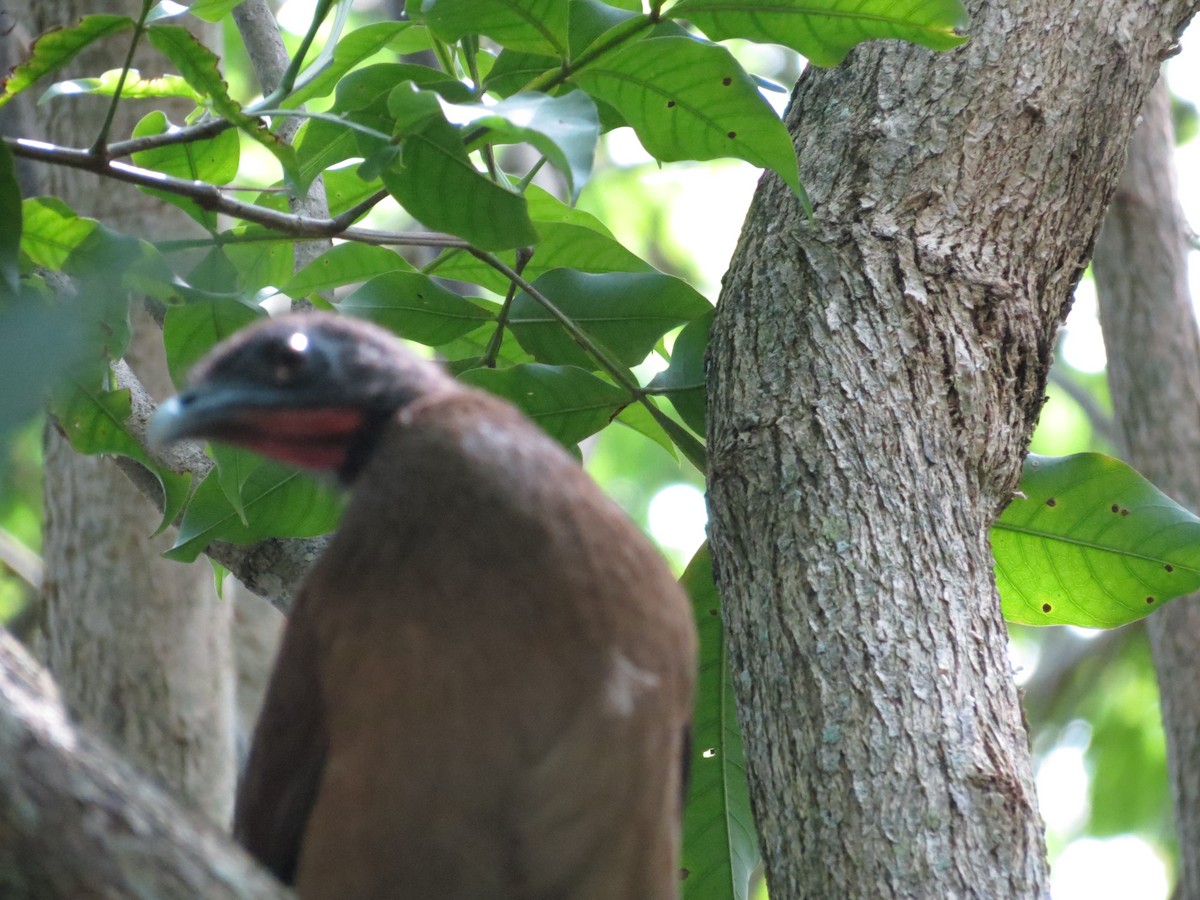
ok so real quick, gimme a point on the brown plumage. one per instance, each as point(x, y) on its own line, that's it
point(485, 685)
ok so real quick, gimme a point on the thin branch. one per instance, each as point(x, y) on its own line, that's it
point(209, 128)
point(1100, 420)
point(210, 197)
point(23, 562)
point(288, 78)
point(493, 347)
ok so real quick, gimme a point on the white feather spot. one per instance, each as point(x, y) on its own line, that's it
point(626, 682)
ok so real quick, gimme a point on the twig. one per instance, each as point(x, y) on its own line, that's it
point(1100, 420)
point(23, 562)
point(211, 198)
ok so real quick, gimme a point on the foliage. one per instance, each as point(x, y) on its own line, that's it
point(1091, 542)
point(522, 293)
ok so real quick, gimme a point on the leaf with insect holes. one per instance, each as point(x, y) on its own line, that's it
point(689, 99)
point(1091, 543)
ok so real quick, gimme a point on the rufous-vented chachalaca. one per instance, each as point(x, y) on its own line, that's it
point(485, 685)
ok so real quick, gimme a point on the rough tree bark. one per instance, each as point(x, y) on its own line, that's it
point(1154, 376)
point(875, 374)
point(139, 645)
point(78, 821)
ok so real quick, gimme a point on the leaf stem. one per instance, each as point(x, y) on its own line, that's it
point(552, 79)
point(683, 439)
point(106, 127)
point(288, 80)
point(493, 349)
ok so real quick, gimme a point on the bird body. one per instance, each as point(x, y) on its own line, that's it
point(484, 688)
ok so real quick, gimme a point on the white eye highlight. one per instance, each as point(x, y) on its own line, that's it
point(298, 342)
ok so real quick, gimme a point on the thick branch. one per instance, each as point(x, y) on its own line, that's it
point(78, 821)
point(1154, 375)
point(271, 568)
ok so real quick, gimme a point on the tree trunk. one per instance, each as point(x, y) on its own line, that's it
point(1154, 376)
point(139, 645)
point(875, 374)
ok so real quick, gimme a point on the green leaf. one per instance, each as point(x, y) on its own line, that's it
point(40, 342)
point(260, 263)
point(212, 10)
point(687, 99)
point(627, 312)
point(825, 30)
point(345, 188)
point(683, 380)
point(415, 307)
point(351, 50)
point(199, 66)
point(191, 330)
point(371, 86)
point(344, 264)
point(94, 422)
point(1091, 543)
point(214, 160)
point(56, 48)
point(165, 9)
point(104, 264)
point(437, 184)
point(10, 224)
point(568, 403)
point(588, 19)
point(51, 231)
point(563, 129)
point(637, 417)
point(277, 501)
point(135, 87)
point(533, 26)
point(570, 239)
point(720, 847)
point(362, 100)
point(513, 70)
point(234, 467)
point(467, 351)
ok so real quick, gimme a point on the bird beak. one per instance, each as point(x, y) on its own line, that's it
point(201, 411)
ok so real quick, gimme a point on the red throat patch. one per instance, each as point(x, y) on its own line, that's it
point(318, 438)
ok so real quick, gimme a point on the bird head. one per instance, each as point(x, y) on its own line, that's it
point(310, 389)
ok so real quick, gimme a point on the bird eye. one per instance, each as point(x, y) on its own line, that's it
point(287, 359)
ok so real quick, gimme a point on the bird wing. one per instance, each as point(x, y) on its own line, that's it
point(287, 758)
